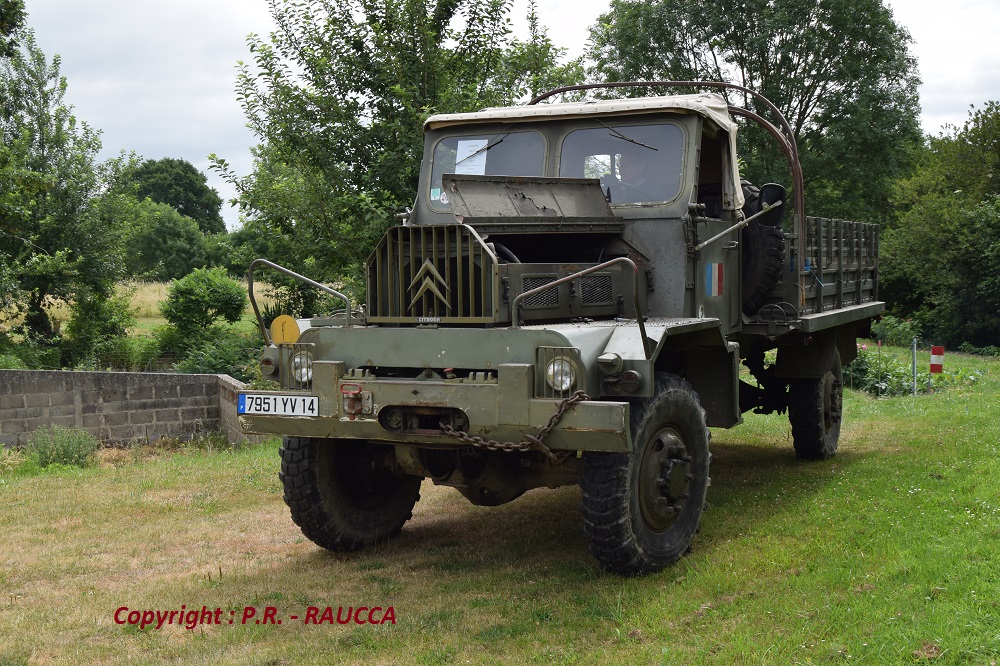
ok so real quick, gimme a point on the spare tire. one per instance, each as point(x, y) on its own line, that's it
point(762, 249)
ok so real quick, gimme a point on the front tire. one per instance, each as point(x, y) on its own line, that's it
point(815, 411)
point(641, 509)
point(342, 494)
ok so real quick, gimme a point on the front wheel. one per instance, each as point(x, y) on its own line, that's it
point(641, 509)
point(342, 493)
point(815, 411)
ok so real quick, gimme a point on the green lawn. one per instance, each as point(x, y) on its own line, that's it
point(888, 553)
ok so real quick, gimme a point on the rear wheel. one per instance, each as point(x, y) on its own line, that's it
point(815, 410)
point(641, 509)
point(342, 493)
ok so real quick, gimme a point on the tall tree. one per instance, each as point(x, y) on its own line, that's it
point(60, 228)
point(12, 19)
point(178, 183)
point(940, 260)
point(162, 244)
point(839, 70)
point(337, 97)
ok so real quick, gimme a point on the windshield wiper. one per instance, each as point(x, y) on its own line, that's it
point(618, 135)
point(481, 150)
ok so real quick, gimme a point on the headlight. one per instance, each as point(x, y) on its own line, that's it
point(560, 374)
point(302, 367)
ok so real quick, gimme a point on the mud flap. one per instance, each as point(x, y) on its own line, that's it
point(714, 374)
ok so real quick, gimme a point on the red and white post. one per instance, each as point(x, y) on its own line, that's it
point(937, 360)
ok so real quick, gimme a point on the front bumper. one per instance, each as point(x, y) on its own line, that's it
point(502, 408)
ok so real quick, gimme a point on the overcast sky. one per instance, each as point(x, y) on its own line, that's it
point(158, 77)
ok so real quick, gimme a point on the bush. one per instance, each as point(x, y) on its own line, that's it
point(11, 362)
point(62, 446)
point(197, 300)
point(896, 332)
point(29, 354)
point(886, 375)
point(95, 325)
point(132, 353)
point(227, 352)
point(990, 350)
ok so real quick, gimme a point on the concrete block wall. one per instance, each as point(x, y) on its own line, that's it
point(118, 407)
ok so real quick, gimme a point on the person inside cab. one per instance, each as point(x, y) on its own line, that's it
point(636, 180)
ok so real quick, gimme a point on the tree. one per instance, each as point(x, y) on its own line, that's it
point(163, 244)
point(940, 260)
point(839, 70)
point(12, 18)
point(337, 98)
point(60, 222)
point(178, 183)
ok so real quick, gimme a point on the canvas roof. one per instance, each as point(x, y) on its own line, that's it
point(708, 105)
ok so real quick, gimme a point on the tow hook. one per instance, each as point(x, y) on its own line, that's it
point(352, 400)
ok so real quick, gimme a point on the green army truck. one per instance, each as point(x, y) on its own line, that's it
point(569, 301)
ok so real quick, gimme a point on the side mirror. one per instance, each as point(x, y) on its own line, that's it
point(771, 194)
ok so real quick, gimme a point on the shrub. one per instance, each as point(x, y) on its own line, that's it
point(11, 362)
point(990, 350)
point(95, 324)
point(28, 354)
point(132, 353)
point(227, 352)
point(197, 300)
point(62, 446)
point(886, 375)
point(894, 331)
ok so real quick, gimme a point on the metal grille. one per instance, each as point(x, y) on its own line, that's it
point(597, 289)
point(292, 356)
point(432, 274)
point(546, 299)
point(545, 356)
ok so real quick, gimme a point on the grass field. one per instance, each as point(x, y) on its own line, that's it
point(887, 554)
point(146, 298)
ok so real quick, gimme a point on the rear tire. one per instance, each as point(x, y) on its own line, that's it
point(815, 410)
point(341, 493)
point(641, 509)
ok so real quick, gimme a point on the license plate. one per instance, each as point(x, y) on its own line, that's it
point(278, 405)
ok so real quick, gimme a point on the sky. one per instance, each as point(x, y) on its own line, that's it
point(158, 78)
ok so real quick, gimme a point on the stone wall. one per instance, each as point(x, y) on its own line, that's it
point(118, 407)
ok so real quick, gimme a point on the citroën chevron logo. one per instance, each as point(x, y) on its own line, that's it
point(429, 280)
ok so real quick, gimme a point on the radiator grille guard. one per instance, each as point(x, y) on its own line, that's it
point(432, 274)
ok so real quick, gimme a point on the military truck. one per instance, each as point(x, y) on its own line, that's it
point(569, 301)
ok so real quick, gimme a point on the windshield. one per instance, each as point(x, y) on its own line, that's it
point(636, 163)
point(504, 154)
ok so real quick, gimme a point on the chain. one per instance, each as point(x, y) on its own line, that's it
point(530, 442)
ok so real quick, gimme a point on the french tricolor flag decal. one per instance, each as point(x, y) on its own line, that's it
point(713, 280)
